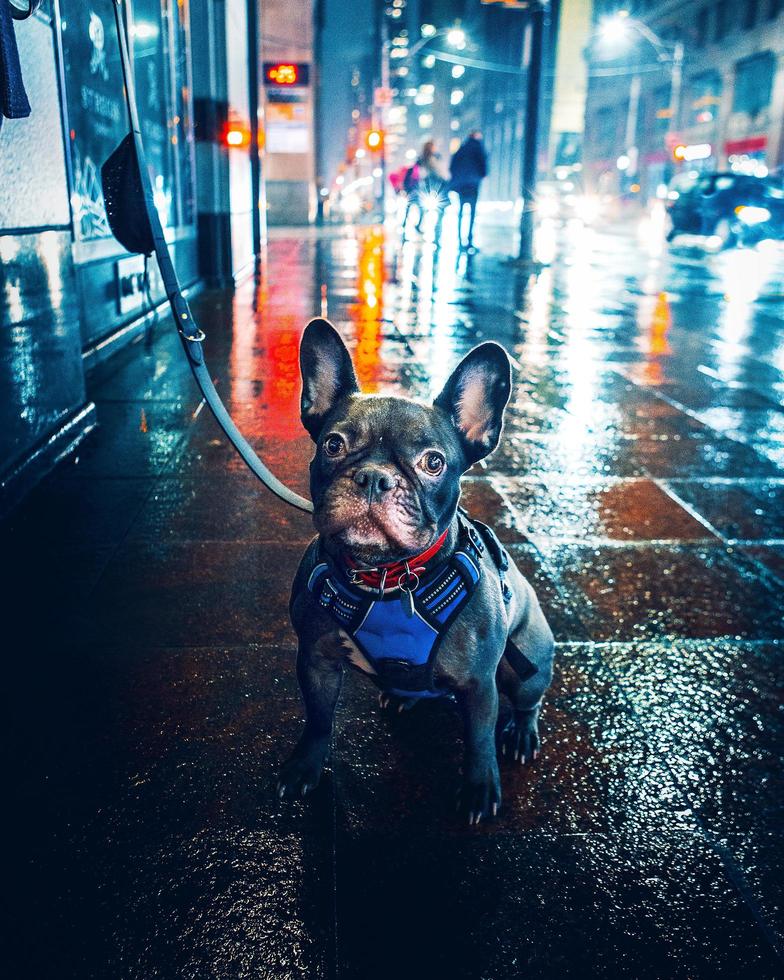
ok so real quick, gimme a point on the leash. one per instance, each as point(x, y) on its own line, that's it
point(191, 336)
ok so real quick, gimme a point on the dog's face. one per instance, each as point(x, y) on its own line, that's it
point(385, 477)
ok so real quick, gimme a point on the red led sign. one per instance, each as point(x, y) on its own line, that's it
point(284, 73)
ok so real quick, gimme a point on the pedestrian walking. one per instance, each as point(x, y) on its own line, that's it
point(432, 186)
point(409, 185)
point(468, 168)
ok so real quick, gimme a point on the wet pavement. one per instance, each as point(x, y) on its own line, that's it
point(639, 485)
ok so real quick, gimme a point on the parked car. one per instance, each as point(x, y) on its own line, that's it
point(736, 209)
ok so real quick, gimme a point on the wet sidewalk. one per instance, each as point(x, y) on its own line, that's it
point(639, 485)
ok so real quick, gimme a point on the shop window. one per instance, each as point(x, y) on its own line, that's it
point(660, 113)
point(702, 25)
point(97, 118)
point(754, 83)
point(721, 24)
point(704, 94)
point(606, 131)
point(149, 41)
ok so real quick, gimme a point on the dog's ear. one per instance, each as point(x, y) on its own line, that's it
point(475, 397)
point(327, 374)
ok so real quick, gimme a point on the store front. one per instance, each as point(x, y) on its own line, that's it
point(95, 119)
point(70, 295)
point(748, 155)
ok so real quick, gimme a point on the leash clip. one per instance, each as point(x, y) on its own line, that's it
point(407, 585)
point(408, 582)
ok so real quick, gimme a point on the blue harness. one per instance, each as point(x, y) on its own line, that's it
point(400, 634)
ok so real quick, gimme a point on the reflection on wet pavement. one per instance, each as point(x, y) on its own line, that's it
point(640, 487)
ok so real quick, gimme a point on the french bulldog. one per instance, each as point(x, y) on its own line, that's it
point(385, 484)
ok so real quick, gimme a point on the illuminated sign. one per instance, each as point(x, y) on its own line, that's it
point(279, 74)
point(697, 151)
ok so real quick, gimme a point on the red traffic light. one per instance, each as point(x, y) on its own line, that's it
point(236, 135)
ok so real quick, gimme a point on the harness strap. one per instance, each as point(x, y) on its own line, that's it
point(401, 645)
point(190, 334)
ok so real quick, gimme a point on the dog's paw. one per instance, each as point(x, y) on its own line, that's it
point(480, 797)
point(300, 774)
point(394, 704)
point(519, 740)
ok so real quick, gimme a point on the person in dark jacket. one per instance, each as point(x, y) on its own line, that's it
point(468, 169)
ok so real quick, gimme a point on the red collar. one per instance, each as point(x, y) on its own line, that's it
point(384, 577)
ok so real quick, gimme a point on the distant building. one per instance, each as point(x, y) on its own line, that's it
point(728, 114)
point(444, 93)
point(288, 82)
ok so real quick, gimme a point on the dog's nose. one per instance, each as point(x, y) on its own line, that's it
point(374, 480)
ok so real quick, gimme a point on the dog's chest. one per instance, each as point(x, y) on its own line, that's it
point(394, 636)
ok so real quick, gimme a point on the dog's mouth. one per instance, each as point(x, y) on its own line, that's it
point(373, 532)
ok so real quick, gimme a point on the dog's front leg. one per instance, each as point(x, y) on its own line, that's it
point(320, 675)
point(480, 794)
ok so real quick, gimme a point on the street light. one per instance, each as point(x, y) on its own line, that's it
point(614, 29)
point(619, 28)
point(455, 38)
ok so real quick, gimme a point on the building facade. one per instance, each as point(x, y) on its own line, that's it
point(288, 74)
point(69, 293)
point(726, 112)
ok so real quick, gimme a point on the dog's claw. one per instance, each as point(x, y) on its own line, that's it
point(394, 704)
point(520, 738)
point(301, 772)
point(480, 797)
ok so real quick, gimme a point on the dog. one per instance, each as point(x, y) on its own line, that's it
point(400, 583)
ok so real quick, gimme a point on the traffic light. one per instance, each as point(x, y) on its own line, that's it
point(236, 135)
point(374, 140)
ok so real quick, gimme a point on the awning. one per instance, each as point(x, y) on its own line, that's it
point(751, 144)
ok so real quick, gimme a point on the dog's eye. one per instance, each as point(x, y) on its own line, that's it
point(432, 463)
point(334, 445)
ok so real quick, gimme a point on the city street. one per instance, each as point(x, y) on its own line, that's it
point(639, 485)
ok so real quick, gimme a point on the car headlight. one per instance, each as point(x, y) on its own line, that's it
point(548, 207)
point(750, 215)
point(587, 208)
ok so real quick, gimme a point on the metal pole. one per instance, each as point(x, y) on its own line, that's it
point(253, 109)
point(385, 84)
point(631, 124)
point(531, 136)
point(675, 88)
